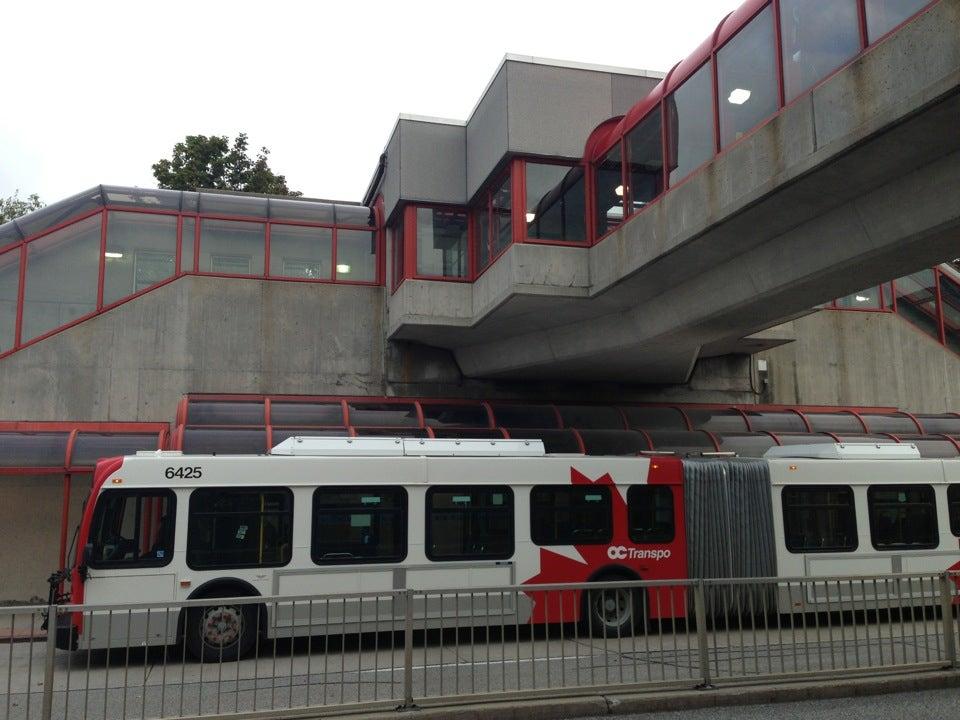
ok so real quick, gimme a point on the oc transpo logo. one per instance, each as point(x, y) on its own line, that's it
point(621, 552)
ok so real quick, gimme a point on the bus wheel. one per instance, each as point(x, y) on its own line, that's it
point(221, 632)
point(615, 612)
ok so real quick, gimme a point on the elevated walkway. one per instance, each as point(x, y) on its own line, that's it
point(852, 183)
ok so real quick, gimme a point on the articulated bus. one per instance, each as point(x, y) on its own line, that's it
point(353, 515)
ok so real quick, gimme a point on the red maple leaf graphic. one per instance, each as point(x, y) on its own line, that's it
point(564, 605)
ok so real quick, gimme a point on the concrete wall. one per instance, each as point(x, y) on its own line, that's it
point(200, 334)
point(859, 358)
point(30, 516)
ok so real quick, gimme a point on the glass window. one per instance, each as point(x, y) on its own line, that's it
point(216, 412)
point(469, 523)
point(817, 37)
point(308, 210)
point(301, 252)
point(645, 159)
point(141, 252)
point(90, 447)
point(318, 413)
point(396, 237)
point(502, 230)
point(554, 441)
point(226, 441)
point(383, 414)
point(438, 415)
point(481, 219)
point(441, 242)
point(613, 442)
point(18, 449)
point(868, 299)
point(570, 515)
point(240, 527)
point(691, 124)
point(359, 525)
point(132, 528)
point(188, 237)
point(950, 308)
point(232, 247)
point(556, 203)
point(917, 301)
point(650, 514)
point(608, 195)
point(747, 78)
point(356, 255)
point(884, 15)
point(819, 518)
point(354, 215)
point(903, 517)
point(9, 287)
point(62, 273)
point(519, 416)
point(953, 504)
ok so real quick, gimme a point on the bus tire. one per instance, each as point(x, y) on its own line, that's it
point(220, 632)
point(614, 612)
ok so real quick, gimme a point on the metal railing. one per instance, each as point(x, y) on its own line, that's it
point(406, 648)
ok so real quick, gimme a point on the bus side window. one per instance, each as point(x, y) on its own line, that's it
point(650, 514)
point(469, 523)
point(570, 515)
point(819, 518)
point(903, 517)
point(133, 528)
point(354, 524)
point(240, 527)
point(953, 504)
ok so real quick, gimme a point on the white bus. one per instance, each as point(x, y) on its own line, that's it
point(340, 515)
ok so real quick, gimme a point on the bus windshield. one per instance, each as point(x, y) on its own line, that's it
point(132, 528)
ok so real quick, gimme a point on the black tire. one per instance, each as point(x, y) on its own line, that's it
point(220, 632)
point(614, 612)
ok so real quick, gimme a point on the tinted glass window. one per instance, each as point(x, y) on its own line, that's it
point(884, 15)
point(481, 218)
point(240, 527)
point(819, 519)
point(396, 252)
point(556, 203)
point(868, 299)
point(383, 414)
point(90, 447)
point(570, 515)
point(133, 528)
point(650, 514)
point(141, 252)
point(61, 280)
point(645, 160)
point(231, 247)
point(691, 124)
point(320, 413)
point(305, 253)
point(916, 301)
point(359, 525)
point(356, 255)
point(903, 517)
point(608, 191)
point(953, 502)
point(469, 523)
point(747, 78)
point(817, 37)
point(9, 287)
point(501, 230)
point(437, 415)
point(441, 242)
point(188, 236)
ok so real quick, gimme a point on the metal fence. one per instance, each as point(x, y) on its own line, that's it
point(411, 647)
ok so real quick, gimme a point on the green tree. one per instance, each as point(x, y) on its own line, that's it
point(202, 162)
point(13, 207)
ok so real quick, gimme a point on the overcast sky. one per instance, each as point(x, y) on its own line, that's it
point(99, 91)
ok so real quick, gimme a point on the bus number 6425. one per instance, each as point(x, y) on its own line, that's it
point(187, 473)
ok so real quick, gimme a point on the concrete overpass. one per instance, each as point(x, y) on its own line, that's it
point(849, 185)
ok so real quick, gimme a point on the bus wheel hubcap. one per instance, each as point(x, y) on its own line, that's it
point(222, 625)
point(613, 607)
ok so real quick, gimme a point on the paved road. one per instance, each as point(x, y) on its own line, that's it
point(335, 670)
point(922, 705)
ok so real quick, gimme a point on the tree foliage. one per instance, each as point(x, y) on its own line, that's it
point(202, 162)
point(13, 206)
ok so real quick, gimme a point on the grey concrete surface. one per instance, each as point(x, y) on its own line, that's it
point(940, 703)
point(851, 185)
point(201, 334)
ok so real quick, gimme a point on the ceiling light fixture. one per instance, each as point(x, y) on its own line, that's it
point(739, 96)
point(618, 190)
point(861, 298)
point(113, 255)
point(531, 217)
point(343, 269)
